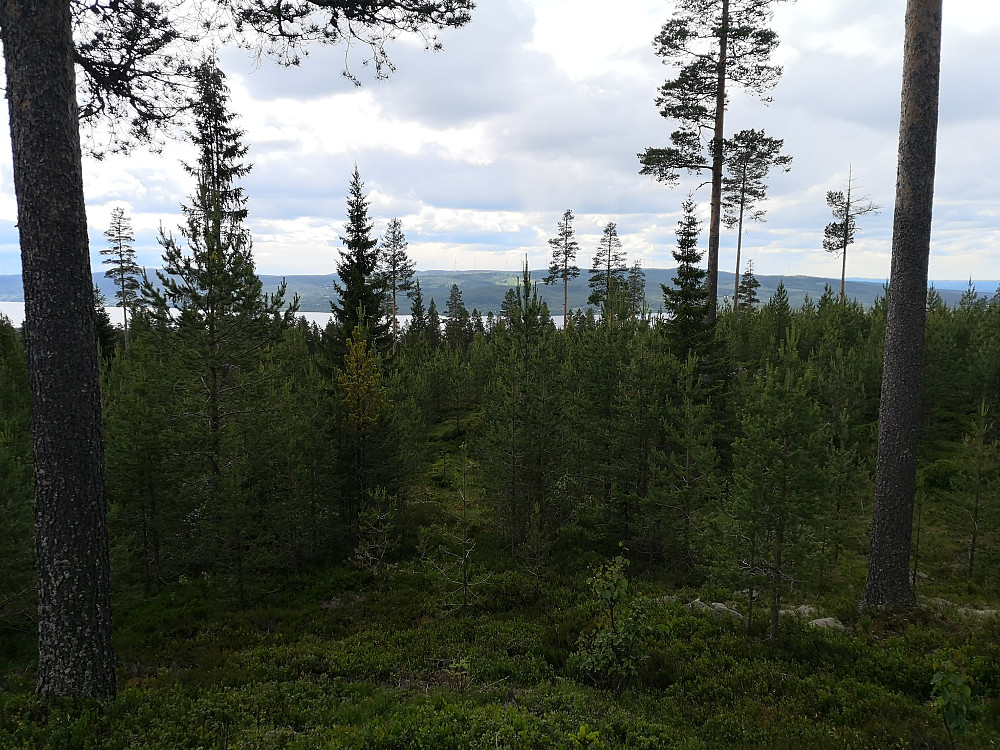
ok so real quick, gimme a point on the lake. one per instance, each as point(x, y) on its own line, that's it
point(15, 312)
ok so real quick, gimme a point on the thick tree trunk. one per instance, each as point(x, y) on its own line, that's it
point(75, 656)
point(895, 481)
point(715, 220)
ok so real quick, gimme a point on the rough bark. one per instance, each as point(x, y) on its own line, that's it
point(74, 630)
point(895, 482)
point(715, 219)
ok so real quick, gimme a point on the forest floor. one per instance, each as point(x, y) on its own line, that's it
point(347, 658)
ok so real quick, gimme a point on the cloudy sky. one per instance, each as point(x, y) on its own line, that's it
point(542, 105)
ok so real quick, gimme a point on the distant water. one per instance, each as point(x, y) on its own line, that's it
point(15, 312)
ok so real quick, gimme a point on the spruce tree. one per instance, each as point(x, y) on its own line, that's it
point(360, 291)
point(417, 328)
point(777, 316)
point(433, 325)
point(107, 337)
point(396, 270)
point(747, 295)
point(210, 321)
point(607, 272)
point(458, 326)
point(686, 302)
point(562, 266)
point(120, 255)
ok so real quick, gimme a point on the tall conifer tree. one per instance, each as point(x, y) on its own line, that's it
point(747, 294)
point(846, 207)
point(214, 341)
point(457, 328)
point(887, 585)
point(120, 255)
point(607, 273)
point(562, 266)
point(686, 302)
point(714, 44)
point(635, 288)
point(749, 156)
point(396, 270)
point(360, 290)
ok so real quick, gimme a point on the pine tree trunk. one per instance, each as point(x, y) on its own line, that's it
point(715, 220)
point(739, 251)
point(565, 292)
point(75, 656)
point(895, 481)
point(845, 241)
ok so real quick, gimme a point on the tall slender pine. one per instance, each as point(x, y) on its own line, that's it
point(120, 255)
point(562, 266)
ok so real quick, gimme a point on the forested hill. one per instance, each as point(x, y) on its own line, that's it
point(484, 290)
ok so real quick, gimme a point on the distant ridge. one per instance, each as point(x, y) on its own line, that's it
point(485, 290)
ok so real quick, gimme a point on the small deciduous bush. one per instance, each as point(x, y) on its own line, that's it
point(611, 655)
point(951, 694)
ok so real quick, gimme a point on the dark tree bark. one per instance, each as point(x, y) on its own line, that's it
point(132, 69)
point(895, 482)
point(718, 133)
point(74, 589)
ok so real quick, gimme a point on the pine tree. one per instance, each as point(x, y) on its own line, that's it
point(776, 479)
point(685, 481)
point(396, 270)
point(846, 207)
point(360, 290)
point(516, 440)
point(686, 302)
point(635, 287)
point(121, 257)
point(143, 475)
point(562, 267)
point(713, 44)
point(749, 156)
point(607, 273)
point(979, 479)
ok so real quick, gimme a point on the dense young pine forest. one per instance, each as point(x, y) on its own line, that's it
point(625, 533)
point(639, 529)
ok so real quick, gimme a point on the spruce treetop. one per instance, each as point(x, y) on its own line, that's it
point(359, 287)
